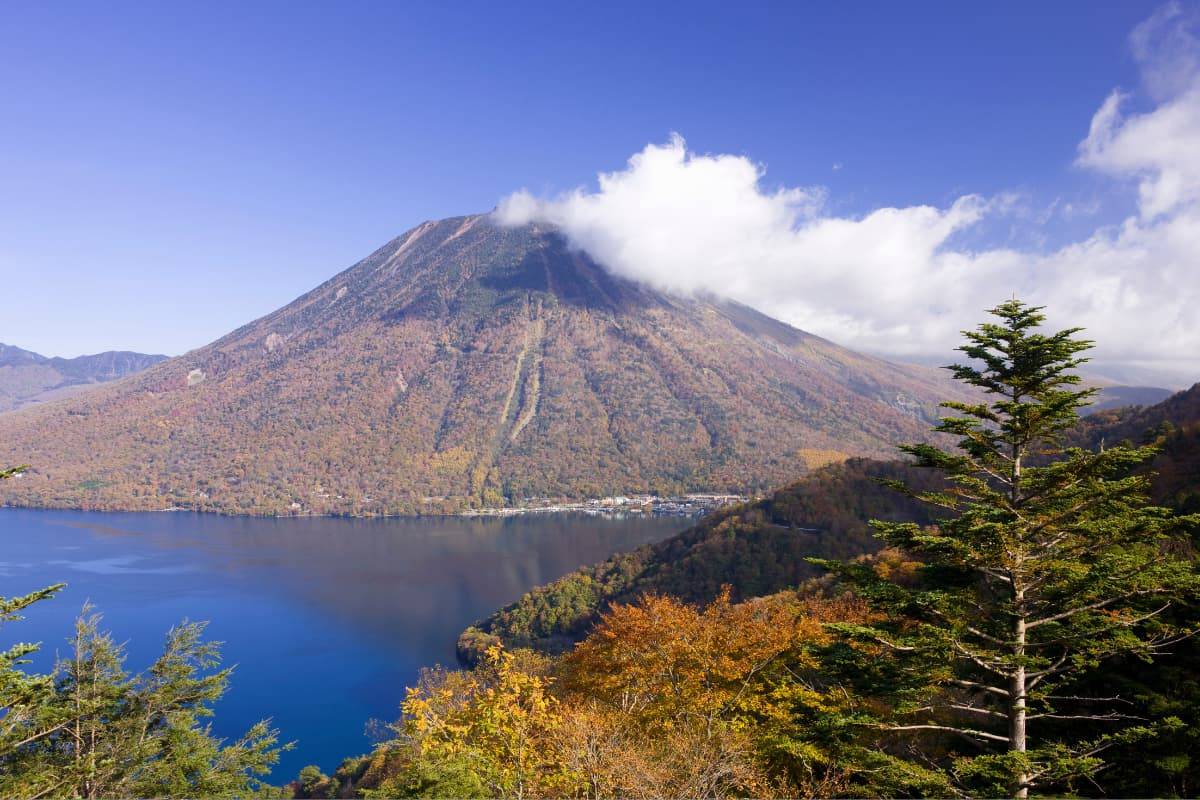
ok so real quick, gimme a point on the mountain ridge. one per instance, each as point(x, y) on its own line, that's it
point(28, 377)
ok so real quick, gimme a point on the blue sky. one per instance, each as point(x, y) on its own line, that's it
point(169, 171)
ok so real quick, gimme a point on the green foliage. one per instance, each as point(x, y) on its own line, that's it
point(97, 731)
point(444, 776)
point(313, 784)
point(26, 700)
point(1047, 563)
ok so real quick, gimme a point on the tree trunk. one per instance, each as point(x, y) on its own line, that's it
point(1017, 710)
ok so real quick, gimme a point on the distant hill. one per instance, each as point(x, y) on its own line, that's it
point(464, 364)
point(1176, 421)
point(760, 548)
point(27, 377)
point(1181, 409)
point(1110, 397)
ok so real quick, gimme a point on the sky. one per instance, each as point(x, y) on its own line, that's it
point(875, 173)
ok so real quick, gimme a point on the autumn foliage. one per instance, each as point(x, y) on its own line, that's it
point(663, 699)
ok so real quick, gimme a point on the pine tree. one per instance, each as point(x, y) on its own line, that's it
point(1047, 560)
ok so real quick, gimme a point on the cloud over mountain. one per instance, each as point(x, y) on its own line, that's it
point(898, 280)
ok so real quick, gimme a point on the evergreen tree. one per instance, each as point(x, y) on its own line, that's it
point(122, 735)
point(1047, 561)
point(29, 712)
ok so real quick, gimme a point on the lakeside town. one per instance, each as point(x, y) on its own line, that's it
point(618, 506)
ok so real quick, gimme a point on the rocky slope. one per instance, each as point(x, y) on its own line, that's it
point(464, 364)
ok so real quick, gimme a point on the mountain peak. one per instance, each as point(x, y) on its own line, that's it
point(11, 356)
point(474, 256)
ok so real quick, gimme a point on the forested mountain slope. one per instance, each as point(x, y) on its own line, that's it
point(761, 547)
point(1176, 421)
point(465, 364)
point(756, 549)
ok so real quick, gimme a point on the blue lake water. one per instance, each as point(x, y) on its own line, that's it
point(327, 620)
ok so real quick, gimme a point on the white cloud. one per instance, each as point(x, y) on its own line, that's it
point(894, 280)
point(1159, 148)
point(1167, 48)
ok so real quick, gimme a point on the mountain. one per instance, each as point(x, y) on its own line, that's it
point(27, 377)
point(465, 364)
point(760, 547)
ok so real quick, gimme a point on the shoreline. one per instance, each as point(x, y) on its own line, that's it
point(617, 507)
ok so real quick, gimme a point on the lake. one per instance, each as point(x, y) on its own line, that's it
point(326, 619)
